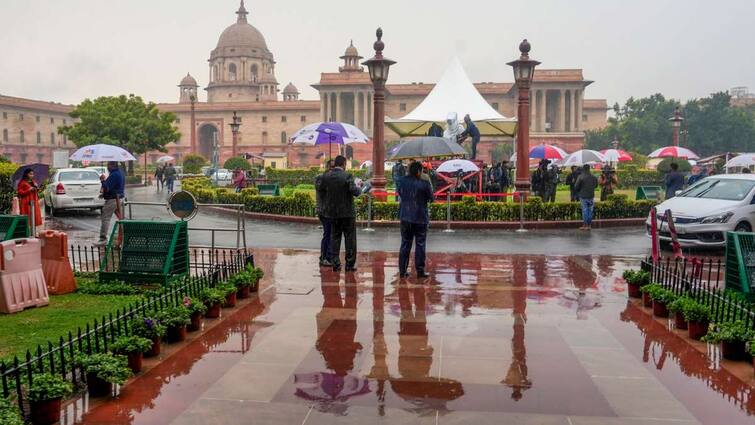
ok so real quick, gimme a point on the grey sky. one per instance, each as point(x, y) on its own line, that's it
point(68, 50)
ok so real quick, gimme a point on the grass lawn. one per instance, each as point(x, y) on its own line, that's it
point(26, 329)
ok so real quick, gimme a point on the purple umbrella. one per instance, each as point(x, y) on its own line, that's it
point(41, 173)
point(329, 133)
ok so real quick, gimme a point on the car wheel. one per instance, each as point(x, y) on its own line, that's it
point(743, 227)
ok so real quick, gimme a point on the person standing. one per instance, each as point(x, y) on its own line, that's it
point(607, 181)
point(416, 194)
point(239, 179)
point(551, 183)
point(338, 191)
point(160, 176)
point(113, 191)
point(170, 177)
point(697, 175)
point(674, 181)
point(435, 130)
point(473, 132)
point(397, 172)
point(585, 187)
point(28, 198)
point(324, 221)
point(571, 179)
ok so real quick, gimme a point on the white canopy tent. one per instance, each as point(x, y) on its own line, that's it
point(453, 93)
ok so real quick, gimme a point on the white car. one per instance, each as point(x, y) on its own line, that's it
point(100, 170)
point(222, 176)
point(73, 188)
point(705, 211)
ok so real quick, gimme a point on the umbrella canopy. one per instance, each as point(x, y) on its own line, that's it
point(455, 165)
point(329, 133)
point(165, 158)
point(584, 156)
point(41, 173)
point(673, 152)
point(616, 155)
point(547, 152)
point(427, 147)
point(326, 386)
point(743, 160)
point(102, 153)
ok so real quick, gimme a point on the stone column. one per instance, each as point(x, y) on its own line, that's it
point(336, 106)
point(533, 111)
point(365, 115)
point(561, 112)
point(323, 106)
point(578, 120)
point(543, 112)
point(356, 109)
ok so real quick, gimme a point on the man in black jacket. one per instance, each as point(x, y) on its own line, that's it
point(326, 224)
point(337, 191)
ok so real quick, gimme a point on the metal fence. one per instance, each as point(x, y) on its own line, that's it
point(702, 280)
point(58, 357)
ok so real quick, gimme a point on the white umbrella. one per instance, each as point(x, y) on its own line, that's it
point(673, 152)
point(616, 155)
point(165, 158)
point(582, 157)
point(743, 160)
point(455, 165)
point(101, 153)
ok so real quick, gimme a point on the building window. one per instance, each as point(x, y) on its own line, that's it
point(264, 137)
point(5, 115)
point(5, 135)
point(273, 164)
point(40, 157)
point(64, 121)
point(20, 117)
point(178, 120)
point(584, 117)
point(23, 157)
point(232, 72)
point(37, 118)
point(264, 118)
point(52, 138)
point(283, 118)
point(284, 139)
point(303, 118)
point(65, 139)
point(21, 137)
point(402, 107)
point(52, 120)
point(39, 138)
point(494, 105)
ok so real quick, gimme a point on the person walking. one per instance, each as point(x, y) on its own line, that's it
point(170, 177)
point(585, 187)
point(28, 198)
point(338, 191)
point(473, 132)
point(239, 179)
point(160, 176)
point(113, 191)
point(571, 179)
point(324, 221)
point(607, 181)
point(674, 181)
point(416, 194)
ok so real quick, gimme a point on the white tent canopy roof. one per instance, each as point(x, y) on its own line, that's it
point(453, 93)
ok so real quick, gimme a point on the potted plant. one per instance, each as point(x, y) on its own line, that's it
point(229, 293)
point(661, 297)
point(175, 319)
point(697, 316)
point(635, 279)
point(133, 347)
point(647, 301)
point(9, 414)
point(196, 310)
point(45, 394)
point(212, 298)
point(733, 337)
point(677, 308)
point(243, 281)
point(257, 275)
point(150, 328)
point(103, 370)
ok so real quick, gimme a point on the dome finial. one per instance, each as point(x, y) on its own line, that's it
point(242, 13)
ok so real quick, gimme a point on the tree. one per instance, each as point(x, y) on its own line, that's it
point(193, 163)
point(124, 121)
point(237, 162)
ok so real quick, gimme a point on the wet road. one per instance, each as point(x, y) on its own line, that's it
point(83, 228)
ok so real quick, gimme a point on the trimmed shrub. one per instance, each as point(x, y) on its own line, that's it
point(237, 162)
point(193, 163)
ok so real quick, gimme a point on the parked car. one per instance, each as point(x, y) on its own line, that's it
point(73, 188)
point(100, 170)
point(222, 176)
point(705, 211)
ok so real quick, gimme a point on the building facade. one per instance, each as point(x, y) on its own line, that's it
point(241, 80)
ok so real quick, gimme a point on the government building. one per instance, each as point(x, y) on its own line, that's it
point(241, 79)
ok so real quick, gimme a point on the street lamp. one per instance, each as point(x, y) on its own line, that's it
point(524, 70)
point(378, 67)
point(235, 124)
point(676, 122)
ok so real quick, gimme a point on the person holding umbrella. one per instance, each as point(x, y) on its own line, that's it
point(160, 176)
point(28, 198)
point(113, 191)
point(415, 194)
point(338, 190)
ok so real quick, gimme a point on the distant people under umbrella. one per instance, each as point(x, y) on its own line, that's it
point(113, 191)
point(28, 198)
point(325, 221)
point(170, 177)
point(239, 179)
point(338, 191)
point(538, 178)
point(416, 193)
point(160, 176)
point(473, 132)
point(607, 181)
point(571, 179)
point(674, 181)
point(551, 183)
point(435, 130)
point(585, 187)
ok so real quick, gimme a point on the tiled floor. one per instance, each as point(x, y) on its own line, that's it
point(486, 340)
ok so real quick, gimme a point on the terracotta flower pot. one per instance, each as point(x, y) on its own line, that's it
point(242, 293)
point(634, 290)
point(213, 311)
point(176, 333)
point(155, 349)
point(659, 309)
point(646, 300)
point(230, 300)
point(45, 412)
point(196, 322)
point(733, 350)
point(697, 330)
point(679, 321)
point(97, 387)
point(135, 362)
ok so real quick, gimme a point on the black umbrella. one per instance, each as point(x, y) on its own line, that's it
point(41, 172)
point(427, 147)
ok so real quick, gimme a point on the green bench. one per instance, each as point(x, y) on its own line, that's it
point(650, 193)
point(268, 189)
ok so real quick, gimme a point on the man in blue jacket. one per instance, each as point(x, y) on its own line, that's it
point(113, 190)
point(416, 194)
point(473, 132)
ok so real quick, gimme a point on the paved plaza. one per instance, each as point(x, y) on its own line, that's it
point(488, 339)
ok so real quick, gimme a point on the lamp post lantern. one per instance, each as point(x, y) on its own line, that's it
point(676, 123)
point(378, 67)
point(524, 70)
point(235, 124)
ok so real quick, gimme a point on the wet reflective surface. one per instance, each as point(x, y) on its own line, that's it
point(487, 339)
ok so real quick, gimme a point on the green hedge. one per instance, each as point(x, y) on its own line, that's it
point(6, 185)
point(295, 176)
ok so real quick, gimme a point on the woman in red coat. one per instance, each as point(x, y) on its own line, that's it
point(27, 194)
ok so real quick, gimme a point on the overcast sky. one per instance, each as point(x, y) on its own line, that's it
point(68, 50)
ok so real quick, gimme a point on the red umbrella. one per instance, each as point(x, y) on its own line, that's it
point(616, 155)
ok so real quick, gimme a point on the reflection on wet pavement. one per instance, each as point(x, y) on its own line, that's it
point(487, 339)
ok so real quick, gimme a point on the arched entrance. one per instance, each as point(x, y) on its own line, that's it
point(206, 140)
